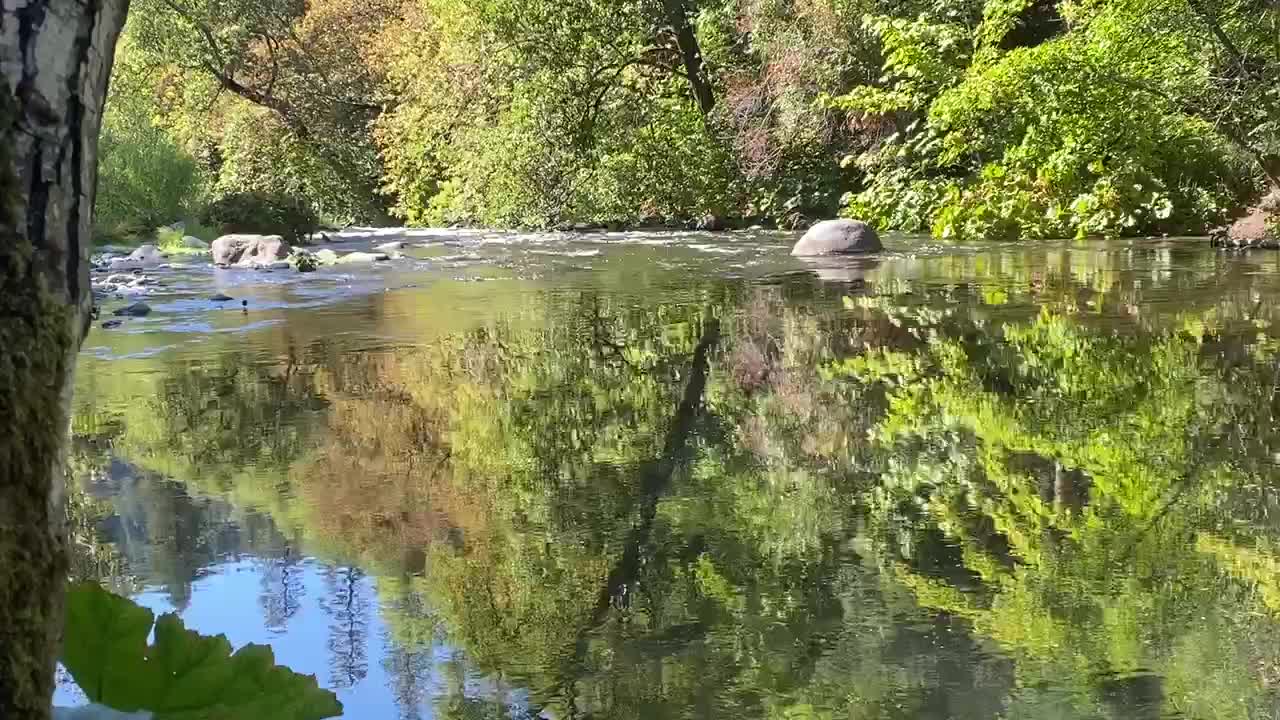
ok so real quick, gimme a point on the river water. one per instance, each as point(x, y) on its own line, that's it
point(682, 475)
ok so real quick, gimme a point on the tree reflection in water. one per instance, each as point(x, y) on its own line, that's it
point(1049, 496)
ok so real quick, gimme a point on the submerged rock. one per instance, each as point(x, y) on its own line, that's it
point(838, 237)
point(138, 309)
point(391, 246)
point(249, 251)
point(112, 324)
point(356, 258)
point(221, 298)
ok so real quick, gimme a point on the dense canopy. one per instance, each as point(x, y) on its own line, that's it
point(964, 118)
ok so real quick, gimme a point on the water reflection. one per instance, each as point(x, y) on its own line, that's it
point(1009, 482)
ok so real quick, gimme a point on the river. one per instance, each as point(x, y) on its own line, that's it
point(684, 475)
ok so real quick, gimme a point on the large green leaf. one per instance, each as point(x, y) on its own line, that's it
point(184, 675)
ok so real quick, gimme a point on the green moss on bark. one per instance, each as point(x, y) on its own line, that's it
point(36, 342)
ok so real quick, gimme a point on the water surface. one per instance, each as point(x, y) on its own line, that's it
point(682, 475)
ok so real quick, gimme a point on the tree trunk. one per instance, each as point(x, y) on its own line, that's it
point(55, 59)
point(690, 55)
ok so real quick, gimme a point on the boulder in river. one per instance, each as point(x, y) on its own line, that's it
point(194, 243)
point(221, 298)
point(387, 247)
point(145, 256)
point(325, 257)
point(838, 237)
point(249, 251)
point(138, 309)
point(357, 258)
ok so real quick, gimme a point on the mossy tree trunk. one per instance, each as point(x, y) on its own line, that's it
point(55, 59)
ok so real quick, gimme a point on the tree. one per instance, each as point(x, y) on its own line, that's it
point(299, 70)
point(57, 58)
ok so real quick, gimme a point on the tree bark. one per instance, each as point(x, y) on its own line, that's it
point(55, 60)
point(690, 55)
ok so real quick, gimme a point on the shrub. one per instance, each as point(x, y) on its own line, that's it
point(250, 212)
point(145, 179)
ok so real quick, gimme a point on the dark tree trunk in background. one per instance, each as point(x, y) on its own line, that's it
point(55, 59)
point(1039, 22)
point(678, 12)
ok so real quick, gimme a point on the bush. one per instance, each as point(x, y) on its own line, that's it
point(145, 176)
point(145, 179)
point(987, 147)
point(262, 213)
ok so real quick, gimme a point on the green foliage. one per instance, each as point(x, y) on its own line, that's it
point(997, 140)
point(571, 121)
point(145, 178)
point(258, 155)
point(272, 96)
point(170, 241)
point(1004, 119)
point(255, 212)
point(182, 675)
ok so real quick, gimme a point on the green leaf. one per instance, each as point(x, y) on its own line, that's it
point(107, 640)
point(184, 675)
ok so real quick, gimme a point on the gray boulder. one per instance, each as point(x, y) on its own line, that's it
point(249, 251)
point(387, 247)
point(195, 243)
point(325, 257)
point(838, 237)
point(138, 309)
point(145, 256)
